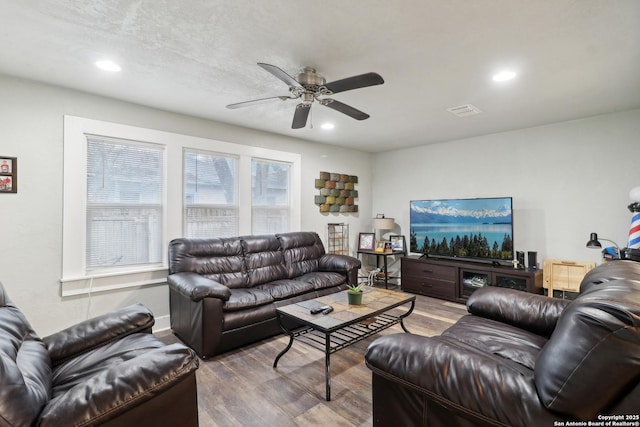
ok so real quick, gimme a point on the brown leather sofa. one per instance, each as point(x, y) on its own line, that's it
point(107, 371)
point(519, 359)
point(224, 291)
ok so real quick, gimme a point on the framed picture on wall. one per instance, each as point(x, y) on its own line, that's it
point(366, 241)
point(8, 174)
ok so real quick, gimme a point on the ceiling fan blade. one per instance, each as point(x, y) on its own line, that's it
point(300, 116)
point(279, 73)
point(355, 82)
point(258, 101)
point(344, 108)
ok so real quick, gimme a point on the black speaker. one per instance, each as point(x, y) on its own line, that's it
point(520, 258)
point(532, 258)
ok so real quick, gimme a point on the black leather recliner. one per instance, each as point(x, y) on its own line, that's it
point(107, 371)
point(519, 359)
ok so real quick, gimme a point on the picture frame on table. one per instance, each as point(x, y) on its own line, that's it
point(8, 174)
point(398, 243)
point(366, 241)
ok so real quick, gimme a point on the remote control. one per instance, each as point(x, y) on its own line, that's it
point(320, 309)
point(327, 310)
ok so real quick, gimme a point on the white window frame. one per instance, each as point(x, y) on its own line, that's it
point(75, 278)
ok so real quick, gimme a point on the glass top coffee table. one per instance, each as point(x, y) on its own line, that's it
point(346, 324)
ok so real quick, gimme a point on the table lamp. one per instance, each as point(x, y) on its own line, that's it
point(382, 223)
point(594, 243)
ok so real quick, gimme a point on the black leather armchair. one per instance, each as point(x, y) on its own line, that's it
point(519, 359)
point(107, 371)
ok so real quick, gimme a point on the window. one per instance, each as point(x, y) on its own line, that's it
point(128, 191)
point(270, 201)
point(124, 203)
point(210, 195)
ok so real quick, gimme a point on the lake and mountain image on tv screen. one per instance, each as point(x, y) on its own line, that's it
point(478, 228)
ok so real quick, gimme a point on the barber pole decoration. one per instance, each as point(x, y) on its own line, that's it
point(634, 231)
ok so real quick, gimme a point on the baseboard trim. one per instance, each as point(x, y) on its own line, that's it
point(163, 323)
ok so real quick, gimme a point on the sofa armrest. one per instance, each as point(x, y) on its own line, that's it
point(198, 287)
point(532, 312)
point(122, 387)
point(98, 331)
point(341, 263)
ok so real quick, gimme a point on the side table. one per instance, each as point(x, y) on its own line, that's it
point(384, 256)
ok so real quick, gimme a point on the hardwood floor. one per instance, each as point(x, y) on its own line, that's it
point(241, 388)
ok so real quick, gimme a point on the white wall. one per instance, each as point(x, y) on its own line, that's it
point(566, 179)
point(31, 129)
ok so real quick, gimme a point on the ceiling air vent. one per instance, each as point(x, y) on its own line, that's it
point(465, 110)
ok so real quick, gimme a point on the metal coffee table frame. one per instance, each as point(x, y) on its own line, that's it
point(333, 338)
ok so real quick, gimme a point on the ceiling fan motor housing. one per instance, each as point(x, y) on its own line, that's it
point(310, 79)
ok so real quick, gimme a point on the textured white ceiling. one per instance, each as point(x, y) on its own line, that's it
point(575, 58)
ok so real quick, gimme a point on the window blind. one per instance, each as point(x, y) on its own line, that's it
point(124, 203)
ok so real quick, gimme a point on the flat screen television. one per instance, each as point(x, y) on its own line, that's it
point(476, 229)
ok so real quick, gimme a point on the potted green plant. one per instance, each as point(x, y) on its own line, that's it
point(354, 294)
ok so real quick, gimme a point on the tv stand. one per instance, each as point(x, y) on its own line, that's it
point(455, 280)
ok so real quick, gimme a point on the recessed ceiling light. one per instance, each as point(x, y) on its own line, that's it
point(327, 126)
point(108, 66)
point(503, 76)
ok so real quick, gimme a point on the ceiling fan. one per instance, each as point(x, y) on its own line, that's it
point(311, 86)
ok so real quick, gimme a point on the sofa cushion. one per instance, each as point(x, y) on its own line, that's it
point(498, 339)
point(264, 259)
point(282, 289)
point(218, 259)
point(603, 327)
point(302, 250)
point(81, 368)
point(323, 280)
point(25, 367)
point(243, 298)
point(535, 313)
point(606, 272)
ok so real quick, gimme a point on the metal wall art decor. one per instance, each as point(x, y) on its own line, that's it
point(8, 174)
point(337, 192)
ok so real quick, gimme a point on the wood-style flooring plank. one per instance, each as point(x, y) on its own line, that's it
point(241, 388)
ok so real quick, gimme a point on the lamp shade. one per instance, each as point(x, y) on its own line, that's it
point(383, 223)
point(593, 242)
